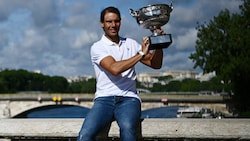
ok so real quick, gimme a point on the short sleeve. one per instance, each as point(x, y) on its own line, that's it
point(98, 52)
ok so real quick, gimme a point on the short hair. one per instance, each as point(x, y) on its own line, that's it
point(110, 9)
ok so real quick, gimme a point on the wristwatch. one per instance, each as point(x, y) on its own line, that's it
point(142, 54)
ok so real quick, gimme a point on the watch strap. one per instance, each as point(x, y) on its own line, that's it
point(142, 54)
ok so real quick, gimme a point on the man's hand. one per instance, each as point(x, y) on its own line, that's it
point(159, 31)
point(145, 45)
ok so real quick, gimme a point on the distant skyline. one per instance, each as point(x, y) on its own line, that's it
point(55, 36)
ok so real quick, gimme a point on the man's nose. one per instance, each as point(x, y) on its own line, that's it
point(113, 23)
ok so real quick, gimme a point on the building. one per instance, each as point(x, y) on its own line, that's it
point(149, 78)
point(79, 78)
point(181, 74)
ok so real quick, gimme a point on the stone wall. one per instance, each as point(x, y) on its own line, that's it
point(210, 129)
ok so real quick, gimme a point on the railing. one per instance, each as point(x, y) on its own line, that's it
point(145, 98)
point(151, 129)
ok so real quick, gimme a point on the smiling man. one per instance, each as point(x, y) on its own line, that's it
point(116, 98)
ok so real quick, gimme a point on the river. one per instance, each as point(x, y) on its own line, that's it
point(71, 111)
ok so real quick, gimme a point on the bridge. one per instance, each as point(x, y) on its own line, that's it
point(175, 129)
point(14, 104)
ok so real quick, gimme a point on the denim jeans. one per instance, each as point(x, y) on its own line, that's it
point(125, 110)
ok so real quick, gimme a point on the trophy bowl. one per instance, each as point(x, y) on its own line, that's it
point(153, 17)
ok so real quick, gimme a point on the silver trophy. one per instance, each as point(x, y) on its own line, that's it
point(152, 17)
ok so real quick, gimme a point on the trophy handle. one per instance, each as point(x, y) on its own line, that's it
point(133, 13)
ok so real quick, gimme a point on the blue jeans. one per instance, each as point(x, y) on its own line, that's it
point(125, 110)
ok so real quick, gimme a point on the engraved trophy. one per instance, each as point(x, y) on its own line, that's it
point(152, 17)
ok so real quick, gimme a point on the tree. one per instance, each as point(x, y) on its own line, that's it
point(89, 86)
point(189, 85)
point(12, 81)
point(223, 46)
point(75, 87)
point(59, 84)
point(174, 86)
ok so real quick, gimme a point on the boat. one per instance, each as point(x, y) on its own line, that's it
point(193, 112)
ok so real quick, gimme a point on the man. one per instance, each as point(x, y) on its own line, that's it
point(114, 59)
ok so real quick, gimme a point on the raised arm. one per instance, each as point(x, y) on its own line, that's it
point(154, 59)
point(117, 67)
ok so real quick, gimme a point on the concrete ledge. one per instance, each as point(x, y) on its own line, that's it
point(151, 128)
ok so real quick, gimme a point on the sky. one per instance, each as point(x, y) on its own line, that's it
point(55, 36)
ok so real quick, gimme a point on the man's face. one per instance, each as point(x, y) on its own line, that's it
point(111, 25)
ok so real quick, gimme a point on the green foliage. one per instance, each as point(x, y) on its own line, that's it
point(12, 81)
point(157, 87)
point(223, 46)
point(191, 85)
point(75, 87)
point(59, 83)
point(168, 77)
point(89, 86)
point(174, 86)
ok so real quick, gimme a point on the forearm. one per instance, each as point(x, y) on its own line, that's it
point(117, 67)
point(157, 59)
point(154, 59)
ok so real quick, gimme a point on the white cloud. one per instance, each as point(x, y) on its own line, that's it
point(178, 60)
point(186, 41)
point(85, 38)
point(55, 36)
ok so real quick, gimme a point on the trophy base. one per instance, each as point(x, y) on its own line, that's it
point(160, 41)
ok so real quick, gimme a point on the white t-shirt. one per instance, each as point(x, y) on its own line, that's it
point(123, 84)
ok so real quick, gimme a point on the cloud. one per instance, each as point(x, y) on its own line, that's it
point(55, 36)
point(186, 41)
point(85, 38)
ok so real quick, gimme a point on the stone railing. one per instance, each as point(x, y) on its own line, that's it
point(156, 129)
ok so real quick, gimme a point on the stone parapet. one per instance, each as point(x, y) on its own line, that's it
point(238, 129)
